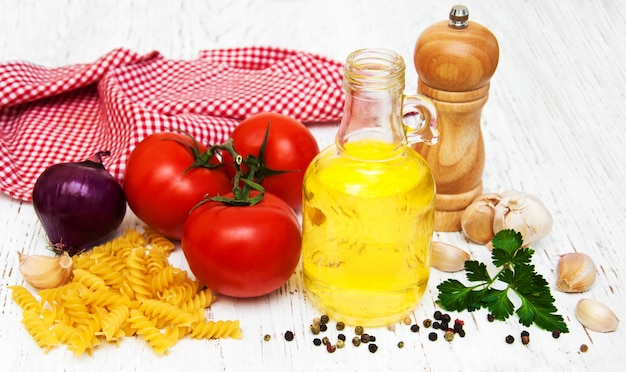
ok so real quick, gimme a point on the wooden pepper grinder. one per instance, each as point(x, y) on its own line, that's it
point(455, 60)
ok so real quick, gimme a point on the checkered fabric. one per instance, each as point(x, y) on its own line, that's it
point(53, 115)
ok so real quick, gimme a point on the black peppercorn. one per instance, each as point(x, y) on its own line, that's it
point(288, 335)
point(323, 327)
point(556, 333)
point(437, 315)
point(432, 336)
point(324, 319)
point(341, 337)
point(317, 341)
point(446, 318)
point(372, 348)
point(509, 339)
point(415, 328)
point(490, 317)
point(365, 338)
point(436, 325)
point(461, 332)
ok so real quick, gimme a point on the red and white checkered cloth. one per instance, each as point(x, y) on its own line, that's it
point(53, 115)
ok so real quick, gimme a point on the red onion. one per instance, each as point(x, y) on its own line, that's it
point(79, 204)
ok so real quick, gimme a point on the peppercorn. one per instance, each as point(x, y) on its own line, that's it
point(356, 341)
point(446, 318)
point(525, 340)
point(443, 325)
point(400, 344)
point(556, 333)
point(288, 335)
point(315, 328)
point(317, 341)
point(457, 327)
point(391, 327)
point(371, 338)
point(436, 325)
point(267, 337)
point(330, 347)
point(365, 338)
point(448, 336)
point(432, 336)
point(341, 337)
point(325, 340)
point(490, 317)
point(372, 348)
point(324, 319)
point(340, 344)
point(427, 323)
point(358, 330)
point(461, 332)
point(437, 315)
point(323, 327)
point(406, 320)
point(340, 326)
point(509, 339)
point(317, 321)
point(584, 348)
point(524, 333)
point(415, 328)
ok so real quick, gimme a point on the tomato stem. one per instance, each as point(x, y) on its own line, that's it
point(201, 159)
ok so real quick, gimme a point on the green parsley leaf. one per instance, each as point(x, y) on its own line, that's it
point(517, 273)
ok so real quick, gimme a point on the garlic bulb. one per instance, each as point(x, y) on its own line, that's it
point(448, 258)
point(575, 272)
point(477, 218)
point(42, 272)
point(524, 213)
point(596, 316)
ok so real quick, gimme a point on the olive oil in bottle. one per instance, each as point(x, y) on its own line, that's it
point(368, 200)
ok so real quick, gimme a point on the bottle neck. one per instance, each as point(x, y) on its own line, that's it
point(373, 85)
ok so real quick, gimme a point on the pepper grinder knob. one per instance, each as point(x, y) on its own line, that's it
point(455, 60)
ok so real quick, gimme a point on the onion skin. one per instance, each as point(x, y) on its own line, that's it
point(79, 204)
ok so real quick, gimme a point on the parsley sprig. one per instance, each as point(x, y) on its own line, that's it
point(515, 274)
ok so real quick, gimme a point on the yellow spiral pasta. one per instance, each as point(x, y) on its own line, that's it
point(124, 287)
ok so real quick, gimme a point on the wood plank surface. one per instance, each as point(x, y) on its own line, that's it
point(553, 127)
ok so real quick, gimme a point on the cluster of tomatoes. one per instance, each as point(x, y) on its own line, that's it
point(239, 239)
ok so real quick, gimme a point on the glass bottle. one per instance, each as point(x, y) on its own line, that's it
point(368, 199)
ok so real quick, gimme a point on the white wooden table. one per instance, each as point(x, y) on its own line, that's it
point(553, 127)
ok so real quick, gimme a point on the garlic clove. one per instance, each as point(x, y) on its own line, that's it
point(447, 258)
point(477, 218)
point(596, 316)
point(524, 213)
point(43, 272)
point(576, 272)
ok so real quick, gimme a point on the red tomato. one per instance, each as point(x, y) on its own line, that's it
point(290, 146)
point(243, 251)
point(160, 187)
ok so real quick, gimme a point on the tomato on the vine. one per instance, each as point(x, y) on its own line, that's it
point(243, 250)
point(166, 177)
point(290, 147)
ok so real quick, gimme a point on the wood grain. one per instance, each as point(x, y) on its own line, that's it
point(553, 126)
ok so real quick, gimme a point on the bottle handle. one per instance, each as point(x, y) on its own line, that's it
point(419, 117)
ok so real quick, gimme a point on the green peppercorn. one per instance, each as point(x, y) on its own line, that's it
point(288, 335)
point(340, 344)
point(315, 328)
point(317, 321)
point(372, 348)
point(340, 326)
point(400, 344)
point(325, 340)
point(267, 337)
point(432, 336)
point(324, 319)
point(356, 341)
point(427, 323)
point(584, 348)
point(448, 336)
point(317, 341)
point(358, 330)
point(509, 339)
